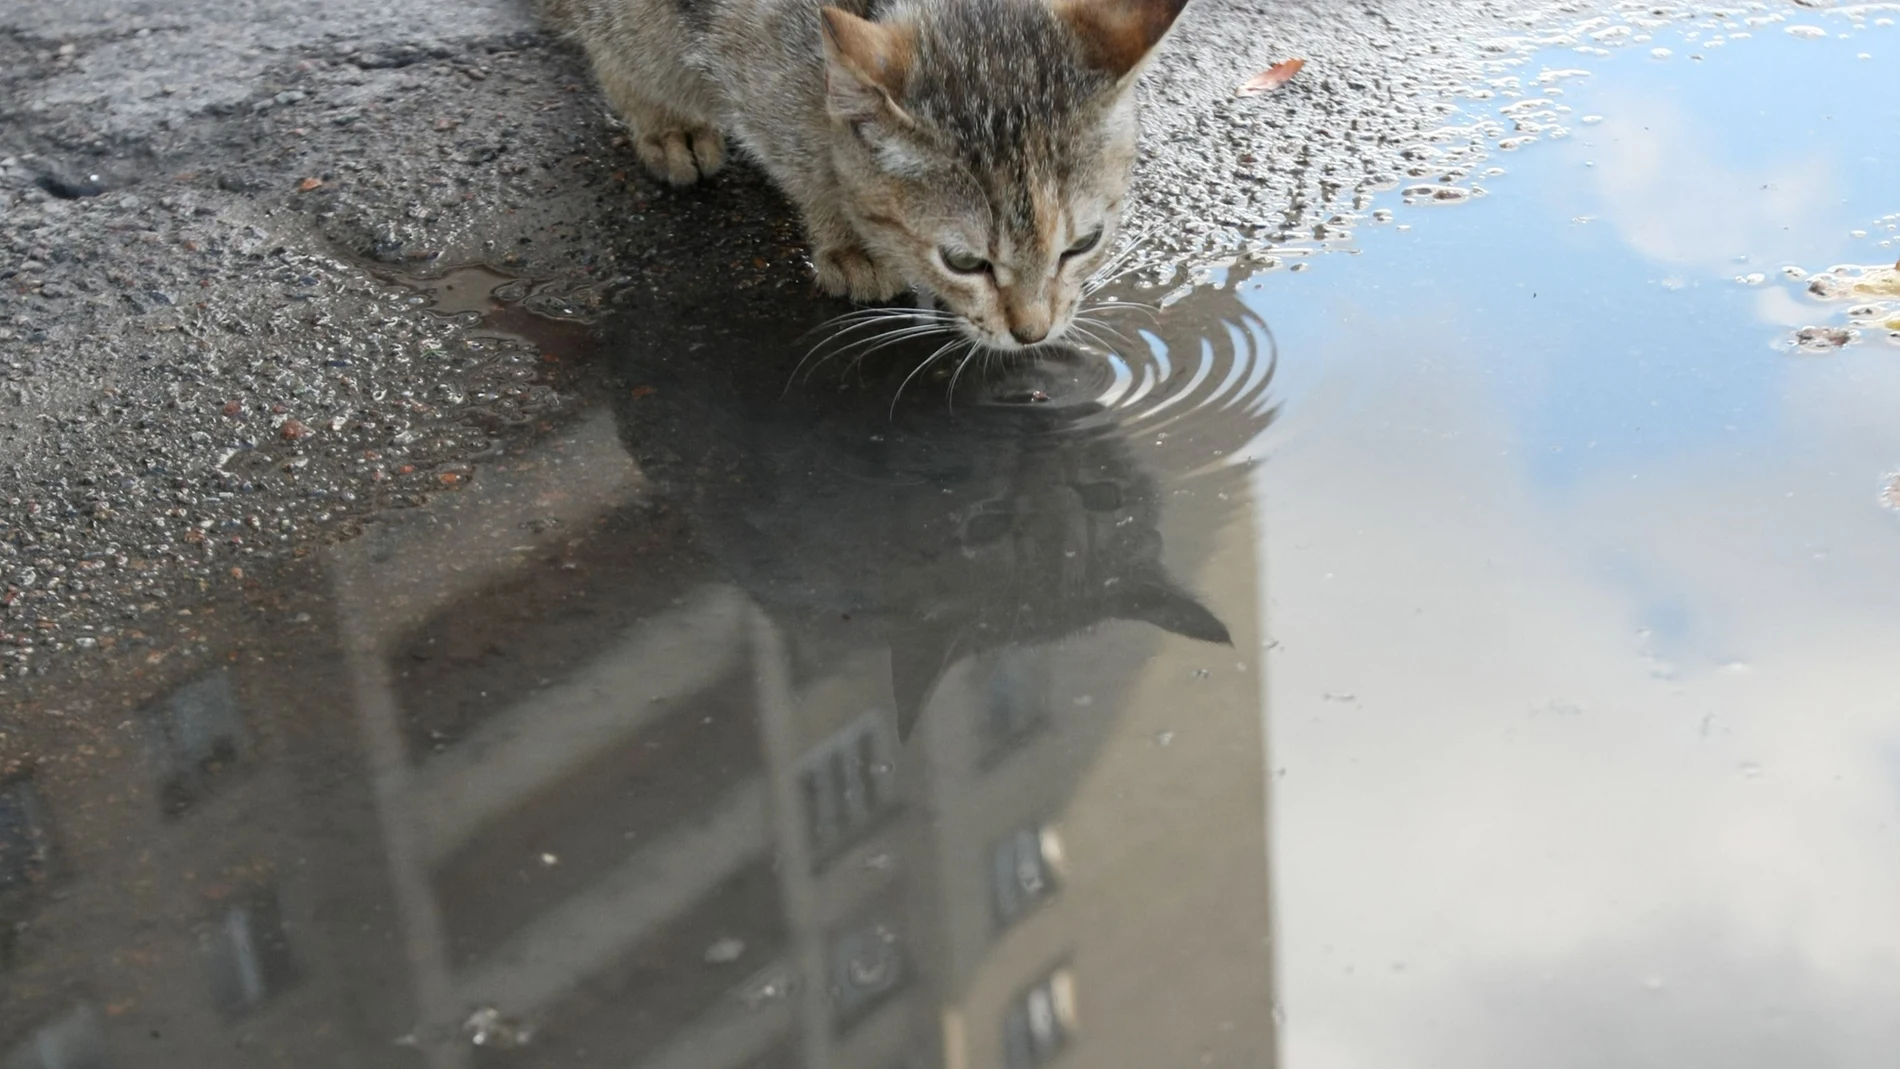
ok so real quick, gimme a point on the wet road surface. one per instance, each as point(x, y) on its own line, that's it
point(1460, 634)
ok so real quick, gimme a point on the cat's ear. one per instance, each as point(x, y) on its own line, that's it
point(867, 64)
point(919, 658)
point(1119, 34)
point(1156, 601)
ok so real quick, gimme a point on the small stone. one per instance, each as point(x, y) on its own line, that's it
point(1822, 339)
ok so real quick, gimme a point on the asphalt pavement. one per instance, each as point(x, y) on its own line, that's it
point(224, 225)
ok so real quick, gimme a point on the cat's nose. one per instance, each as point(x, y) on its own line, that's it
point(1029, 333)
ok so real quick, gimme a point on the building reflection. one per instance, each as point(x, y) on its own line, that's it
point(535, 777)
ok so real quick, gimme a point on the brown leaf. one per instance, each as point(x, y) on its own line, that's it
point(1270, 79)
point(309, 184)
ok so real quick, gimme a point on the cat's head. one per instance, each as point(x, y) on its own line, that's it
point(985, 147)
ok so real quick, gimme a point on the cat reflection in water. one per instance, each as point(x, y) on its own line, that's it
point(974, 151)
point(942, 535)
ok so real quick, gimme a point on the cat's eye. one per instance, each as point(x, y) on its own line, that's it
point(1088, 241)
point(962, 261)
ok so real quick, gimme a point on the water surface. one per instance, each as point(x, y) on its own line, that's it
point(1474, 647)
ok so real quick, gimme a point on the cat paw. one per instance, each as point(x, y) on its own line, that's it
point(682, 155)
point(849, 271)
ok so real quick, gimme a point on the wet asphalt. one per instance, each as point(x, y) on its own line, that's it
point(218, 223)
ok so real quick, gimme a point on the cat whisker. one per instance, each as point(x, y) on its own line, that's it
point(878, 339)
point(907, 334)
point(882, 312)
point(927, 361)
point(1097, 324)
point(864, 318)
point(1095, 338)
point(1148, 310)
point(1113, 267)
point(874, 343)
point(950, 398)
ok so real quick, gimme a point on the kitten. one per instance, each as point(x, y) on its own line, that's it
point(975, 151)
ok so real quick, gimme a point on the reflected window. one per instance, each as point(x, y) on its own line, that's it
point(249, 955)
point(1015, 705)
point(1041, 1022)
point(1024, 869)
point(866, 967)
point(849, 784)
point(25, 846)
point(198, 733)
point(76, 1040)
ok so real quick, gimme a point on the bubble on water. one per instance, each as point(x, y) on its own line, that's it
point(1164, 738)
point(1890, 491)
point(1661, 53)
point(1749, 769)
point(765, 987)
point(725, 951)
point(1753, 278)
point(486, 1027)
point(1810, 33)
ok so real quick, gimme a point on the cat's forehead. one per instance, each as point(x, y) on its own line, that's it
point(1006, 86)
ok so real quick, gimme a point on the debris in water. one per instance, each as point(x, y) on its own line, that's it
point(1890, 494)
point(1270, 79)
point(1822, 339)
point(293, 429)
point(1025, 397)
point(486, 1027)
point(725, 951)
point(309, 184)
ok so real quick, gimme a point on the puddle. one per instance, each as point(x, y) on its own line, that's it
point(1605, 559)
point(780, 699)
point(815, 715)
